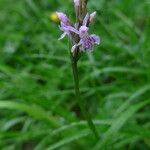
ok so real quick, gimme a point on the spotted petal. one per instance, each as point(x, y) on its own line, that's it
point(95, 38)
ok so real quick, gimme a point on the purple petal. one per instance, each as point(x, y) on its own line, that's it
point(95, 38)
point(83, 31)
point(80, 43)
point(72, 29)
point(90, 49)
point(62, 17)
point(86, 19)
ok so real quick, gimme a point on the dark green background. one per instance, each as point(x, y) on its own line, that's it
point(38, 110)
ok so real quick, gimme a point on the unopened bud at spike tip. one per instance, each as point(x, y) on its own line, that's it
point(77, 2)
point(92, 16)
point(79, 33)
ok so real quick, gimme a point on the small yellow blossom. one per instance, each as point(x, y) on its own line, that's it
point(54, 17)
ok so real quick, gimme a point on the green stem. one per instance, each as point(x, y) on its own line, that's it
point(84, 112)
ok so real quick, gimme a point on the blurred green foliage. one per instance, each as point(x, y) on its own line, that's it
point(38, 110)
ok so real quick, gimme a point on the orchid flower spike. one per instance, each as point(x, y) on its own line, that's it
point(81, 40)
point(79, 35)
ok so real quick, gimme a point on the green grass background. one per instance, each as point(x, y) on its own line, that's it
point(38, 110)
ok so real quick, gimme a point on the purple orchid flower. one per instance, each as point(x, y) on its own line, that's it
point(65, 26)
point(87, 41)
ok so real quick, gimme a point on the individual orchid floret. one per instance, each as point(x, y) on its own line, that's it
point(87, 41)
point(65, 26)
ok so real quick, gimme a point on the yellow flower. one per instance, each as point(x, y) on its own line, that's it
point(54, 17)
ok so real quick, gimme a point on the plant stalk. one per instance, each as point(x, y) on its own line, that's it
point(84, 112)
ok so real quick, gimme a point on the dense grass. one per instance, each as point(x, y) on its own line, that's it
point(37, 103)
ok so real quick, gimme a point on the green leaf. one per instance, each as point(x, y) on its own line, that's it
point(118, 124)
point(33, 110)
point(70, 139)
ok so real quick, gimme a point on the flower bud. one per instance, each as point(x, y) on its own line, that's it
point(92, 16)
point(62, 17)
point(77, 3)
